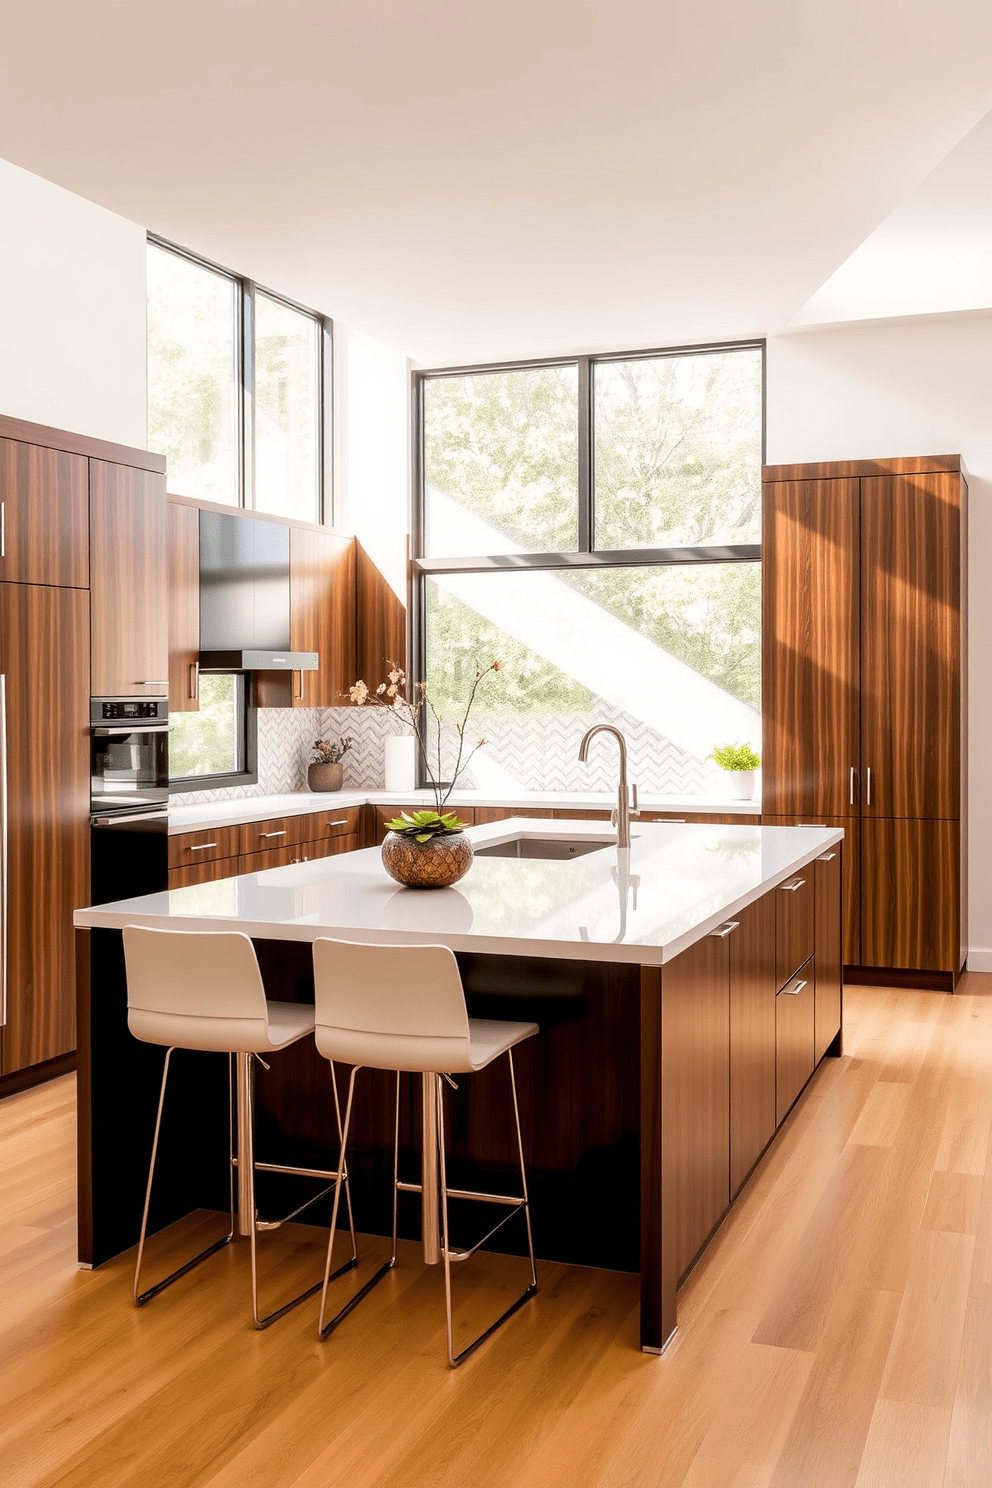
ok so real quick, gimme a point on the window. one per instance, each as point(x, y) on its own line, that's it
point(595, 523)
point(215, 746)
point(238, 389)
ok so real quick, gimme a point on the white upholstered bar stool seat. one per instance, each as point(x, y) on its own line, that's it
point(403, 1008)
point(203, 991)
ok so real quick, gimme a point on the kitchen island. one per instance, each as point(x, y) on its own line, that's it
point(685, 988)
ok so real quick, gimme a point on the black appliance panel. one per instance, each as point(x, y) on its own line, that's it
point(244, 584)
point(129, 856)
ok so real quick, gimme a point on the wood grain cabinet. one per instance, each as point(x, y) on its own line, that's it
point(695, 1019)
point(184, 608)
point(322, 615)
point(863, 693)
point(752, 1038)
point(128, 581)
point(44, 765)
point(214, 853)
point(828, 991)
point(44, 516)
point(794, 1038)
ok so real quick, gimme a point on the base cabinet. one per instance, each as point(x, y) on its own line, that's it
point(695, 1027)
point(225, 852)
point(794, 1035)
point(752, 1038)
point(911, 895)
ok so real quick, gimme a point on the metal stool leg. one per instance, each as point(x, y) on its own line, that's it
point(247, 1127)
point(323, 1329)
point(141, 1297)
point(450, 1255)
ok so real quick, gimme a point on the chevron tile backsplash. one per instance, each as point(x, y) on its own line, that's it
point(532, 752)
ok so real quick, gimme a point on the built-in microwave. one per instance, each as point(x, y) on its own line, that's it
point(129, 754)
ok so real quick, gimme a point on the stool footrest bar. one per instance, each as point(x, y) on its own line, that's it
point(353, 1302)
point(160, 1286)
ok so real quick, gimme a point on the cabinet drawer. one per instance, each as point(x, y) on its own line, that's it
point(282, 831)
point(272, 857)
point(330, 847)
point(793, 924)
point(198, 873)
point(794, 1015)
point(319, 825)
point(201, 847)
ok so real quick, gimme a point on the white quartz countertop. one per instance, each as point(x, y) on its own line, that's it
point(296, 803)
point(644, 904)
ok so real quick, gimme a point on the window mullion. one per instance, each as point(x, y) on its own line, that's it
point(585, 456)
point(247, 452)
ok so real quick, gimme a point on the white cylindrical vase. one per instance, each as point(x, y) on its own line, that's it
point(401, 762)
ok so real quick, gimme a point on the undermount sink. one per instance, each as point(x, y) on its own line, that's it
point(553, 849)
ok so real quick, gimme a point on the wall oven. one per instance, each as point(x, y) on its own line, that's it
point(129, 797)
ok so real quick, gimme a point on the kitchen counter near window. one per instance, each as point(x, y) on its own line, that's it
point(261, 808)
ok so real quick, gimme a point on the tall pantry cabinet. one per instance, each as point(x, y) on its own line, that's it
point(864, 695)
point(46, 487)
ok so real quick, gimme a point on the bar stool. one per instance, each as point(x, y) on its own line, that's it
point(403, 1008)
point(203, 990)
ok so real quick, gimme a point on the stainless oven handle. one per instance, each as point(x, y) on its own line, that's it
point(138, 728)
point(3, 850)
point(126, 816)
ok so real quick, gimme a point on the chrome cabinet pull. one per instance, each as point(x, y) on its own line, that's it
point(200, 846)
point(341, 822)
point(159, 683)
point(868, 788)
point(194, 681)
point(3, 529)
point(827, 857)
point(3, 850)
point(725, 930)
point(273, 834)
point(790, 888)
point(793, 991)
point(852, 785)
point(298, 694)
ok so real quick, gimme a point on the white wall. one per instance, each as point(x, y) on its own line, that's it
point(72, 312)
point(372, 450)
point(909, 388)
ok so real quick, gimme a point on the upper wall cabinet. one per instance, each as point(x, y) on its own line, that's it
point(128, 581)
point(184, 609)
point(43, 516)
point(322, 614)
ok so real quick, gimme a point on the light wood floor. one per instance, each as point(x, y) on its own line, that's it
point(838, 1331)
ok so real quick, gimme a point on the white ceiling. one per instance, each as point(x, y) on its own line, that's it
point(468, 182)
point(932, 255)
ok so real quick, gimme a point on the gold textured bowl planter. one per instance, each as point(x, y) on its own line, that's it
point(436, 864)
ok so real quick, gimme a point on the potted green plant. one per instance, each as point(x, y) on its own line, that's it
point(740, 762)
point(426, 849)
point(324, 772)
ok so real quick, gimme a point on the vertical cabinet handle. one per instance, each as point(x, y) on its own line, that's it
point(4, 908)
point(852, 785)
point(194, 681)
point(3, 529)
point(299, 691)
point(868, 787)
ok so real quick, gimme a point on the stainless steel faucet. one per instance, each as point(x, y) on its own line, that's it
point(624, 809)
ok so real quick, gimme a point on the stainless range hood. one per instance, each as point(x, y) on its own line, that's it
point(244, 597)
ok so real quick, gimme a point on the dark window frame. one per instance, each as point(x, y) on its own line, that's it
point(586, 555)
point(247, 772)
point(244, 333)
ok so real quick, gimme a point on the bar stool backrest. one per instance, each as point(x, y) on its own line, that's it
point(195, 989)
point(390, 1007)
